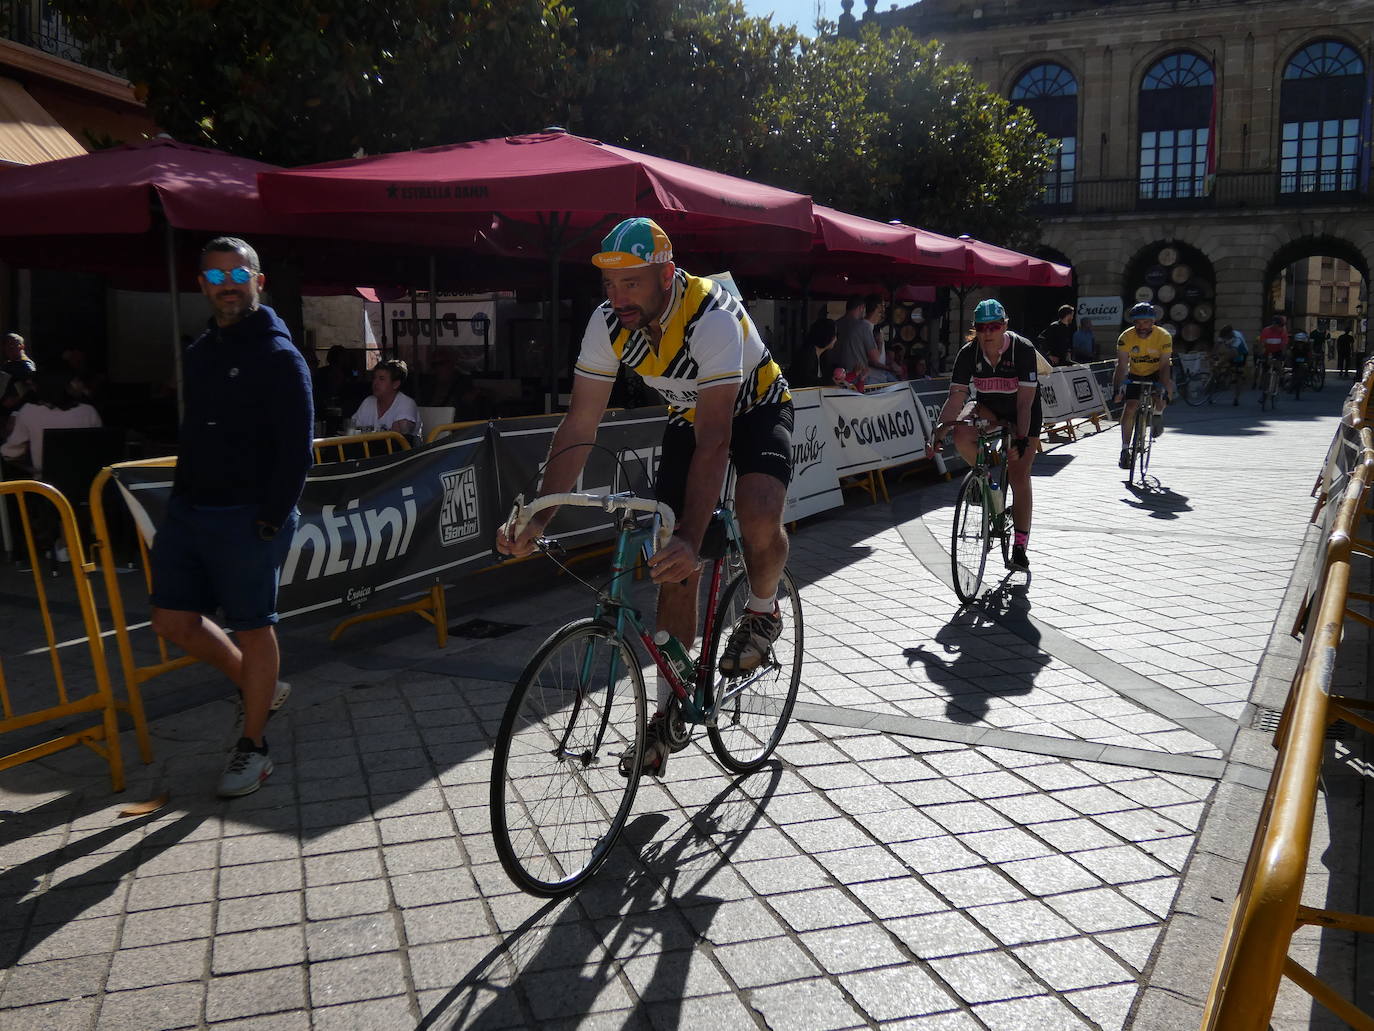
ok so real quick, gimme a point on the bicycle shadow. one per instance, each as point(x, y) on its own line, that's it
point(976, 666)
point(1157, 501)
point(566, 959)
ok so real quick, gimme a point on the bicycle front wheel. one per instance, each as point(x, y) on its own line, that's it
point(968, 549)
point(1318, 375)
point(558, 799)
point(1140, 444)
point(754, 709)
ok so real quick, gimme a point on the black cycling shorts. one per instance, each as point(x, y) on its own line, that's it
point(1003, 408)
point(760, 442)
point(1133, 384)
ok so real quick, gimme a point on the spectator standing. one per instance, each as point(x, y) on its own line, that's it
point(815, 363)
point(1084, 343)
point(244, 453)
point(1345, 353)
point(853, 339)
point(1056, 339)
point(878, 372)
point(388, 408)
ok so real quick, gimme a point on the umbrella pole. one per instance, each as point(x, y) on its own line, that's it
point(176, 320)
point(433, 316)
point(556, 226)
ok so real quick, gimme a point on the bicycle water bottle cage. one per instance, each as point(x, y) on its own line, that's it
point(716, 539)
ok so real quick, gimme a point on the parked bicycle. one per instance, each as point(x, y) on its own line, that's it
point(981, 513)
point(1195, 387)
point(577, 715)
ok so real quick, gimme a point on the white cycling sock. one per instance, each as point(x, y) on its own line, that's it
point(757, 604)
point(665, 692)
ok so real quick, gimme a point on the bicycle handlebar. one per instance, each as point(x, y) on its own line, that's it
point(521, 512)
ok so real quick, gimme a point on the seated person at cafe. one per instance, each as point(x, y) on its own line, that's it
point(896, 360)
point(20, 368)
point(388, 408)
point(51, 406)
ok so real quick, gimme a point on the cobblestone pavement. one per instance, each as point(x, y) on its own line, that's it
point(980, 818)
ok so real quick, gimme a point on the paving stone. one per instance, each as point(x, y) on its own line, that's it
point(1041, 1011)
point(860, 947)
point(805, 1006)
point(165, 1007)
point(712, 1011)
point(262, 992)
point(351, 899)
point(1107, 1007)
point(247, 914)
point(373, 1015)
point(158, 964)
point(443, 922)
point(53, 1016)
point(674, 975)
point(78, 938)
point(934, 935)
point(768, 961)
point(257, 950)
point(728, 922)
point(355, 979)
point(975, 887)
point(894, 993)
point(986, 977)
point(173, 889)
point(258, 879)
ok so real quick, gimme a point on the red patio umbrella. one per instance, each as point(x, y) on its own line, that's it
point(571, 187)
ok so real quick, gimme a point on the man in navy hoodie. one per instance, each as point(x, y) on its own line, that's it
point(245, 449)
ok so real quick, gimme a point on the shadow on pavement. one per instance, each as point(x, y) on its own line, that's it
point(975, 673)
point(630, 914)
point(1157, 501)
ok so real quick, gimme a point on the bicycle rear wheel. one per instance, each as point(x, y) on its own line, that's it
point(756, 707)
point(968, 550)
point(558, 800)
point(1194, 388)
point(1317, 376)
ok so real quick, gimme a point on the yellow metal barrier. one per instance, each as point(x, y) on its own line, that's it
point(1267, 910)
point(449, 427)
point(102, 738)
point(382, 442)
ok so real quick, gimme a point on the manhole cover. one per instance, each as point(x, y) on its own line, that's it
point(484, 628)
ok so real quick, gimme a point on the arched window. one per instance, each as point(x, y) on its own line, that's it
point(1050, 93)
point(1322, 103)
point(1176, 115)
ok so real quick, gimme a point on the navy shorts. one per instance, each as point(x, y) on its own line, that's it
point(207, 559)
point(760, 442)
point(1133, 383)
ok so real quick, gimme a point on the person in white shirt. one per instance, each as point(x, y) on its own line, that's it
point(388, 408)
point(51, 407)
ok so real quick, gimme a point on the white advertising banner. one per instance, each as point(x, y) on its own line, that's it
point(930, 401)
point(873, 430)
point(1072, 391)
point(1103, 311)
point(815, 487)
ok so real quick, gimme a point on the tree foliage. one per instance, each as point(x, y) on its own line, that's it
point(883, 125)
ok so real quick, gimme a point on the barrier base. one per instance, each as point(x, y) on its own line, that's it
point(871, 483)
point(433, 608)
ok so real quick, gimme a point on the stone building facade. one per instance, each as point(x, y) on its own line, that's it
point(1231, 136)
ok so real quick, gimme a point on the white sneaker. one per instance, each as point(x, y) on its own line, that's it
point(279, 697)
point(750, 642)
point(247, 768)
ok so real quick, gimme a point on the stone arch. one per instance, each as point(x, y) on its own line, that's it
point(1179, 278)
point(1312, 242)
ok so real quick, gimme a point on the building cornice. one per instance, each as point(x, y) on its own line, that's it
point(15, 57)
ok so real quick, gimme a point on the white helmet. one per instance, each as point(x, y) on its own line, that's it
point(1300, 337)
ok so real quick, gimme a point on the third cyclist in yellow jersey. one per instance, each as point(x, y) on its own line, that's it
point(1143, 354)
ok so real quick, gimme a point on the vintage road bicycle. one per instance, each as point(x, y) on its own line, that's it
point(981, 513)
point(558, 799)
point(1143, 433)
point(1193, 387)
point(1271, 374)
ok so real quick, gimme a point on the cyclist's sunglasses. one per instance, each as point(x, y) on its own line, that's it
point(991, 327)
point(217, 276)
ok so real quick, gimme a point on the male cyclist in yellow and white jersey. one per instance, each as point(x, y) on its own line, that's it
point(1143, 354)
point(692, 341)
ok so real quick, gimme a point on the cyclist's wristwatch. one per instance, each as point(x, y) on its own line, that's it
point(1022, 443)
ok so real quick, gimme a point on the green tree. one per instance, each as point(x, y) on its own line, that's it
point(320, 79)
point(886, 126)
point(691, 80)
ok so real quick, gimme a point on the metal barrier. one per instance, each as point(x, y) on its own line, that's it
point(1268, 908)
point(386, 443)
point(102, 738)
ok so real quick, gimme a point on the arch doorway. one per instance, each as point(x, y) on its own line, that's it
point(1321, 285)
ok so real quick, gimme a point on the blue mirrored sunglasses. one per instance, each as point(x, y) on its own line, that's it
point(217, 276)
